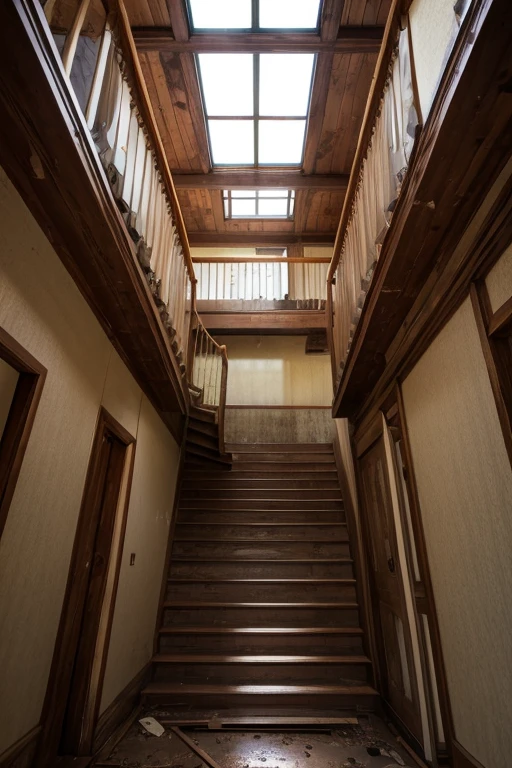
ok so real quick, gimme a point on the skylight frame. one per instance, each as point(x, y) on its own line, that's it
point(256, 117)
point(255, 27)
point(227, 197)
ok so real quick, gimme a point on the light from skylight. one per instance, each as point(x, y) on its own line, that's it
point(289, 14)
point(258, 204)
point(272, 207)
point(227, 80)
point(221, 14)
point(281, 141)
point(285, 83)
point(232, 141)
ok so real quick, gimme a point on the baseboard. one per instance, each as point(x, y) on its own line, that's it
point(120, 709)
point(461, 757)
point(21, 754)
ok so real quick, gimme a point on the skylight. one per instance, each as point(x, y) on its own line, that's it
point(254, 15)
point(256, 106)
point(258, 203)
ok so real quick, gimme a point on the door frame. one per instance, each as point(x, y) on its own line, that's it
point(68, 636)
point(368, 430)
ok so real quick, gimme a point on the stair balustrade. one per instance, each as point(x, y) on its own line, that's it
point(383, 154)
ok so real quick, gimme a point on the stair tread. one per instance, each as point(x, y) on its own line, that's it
point(187, 658)
point(210, 580)
point(163, 687)
point(308, 561)
point(260, 525)
point(208, 630)
point(202, 604)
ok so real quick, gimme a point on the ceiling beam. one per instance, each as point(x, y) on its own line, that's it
point(261, 260)
point(332, 11)
point(289, 322)
point(253, 239)
point(349, 40)
point(179, 21)
point(319, 96)
point(260, 179)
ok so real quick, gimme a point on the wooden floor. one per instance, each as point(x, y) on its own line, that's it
point(261, 608)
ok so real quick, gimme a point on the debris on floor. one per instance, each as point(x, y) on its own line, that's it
point(368, 744)
point(152, 726)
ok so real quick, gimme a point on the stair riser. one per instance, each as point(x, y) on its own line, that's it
point(266, 504)
point(226, 570)
point(204, 427)
point(261, 533)
point(205, 475)
point(281, 447)
point(289, 550)
point(260, 592)
point(262, 674)
point(254, 516)
point(284, 466)
point(261, 617)
point(274, 456)
point(337, 702)
point(251, 644)
point(254, 493)
point(231, 484)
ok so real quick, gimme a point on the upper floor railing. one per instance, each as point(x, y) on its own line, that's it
point(383, 154)
point(98, 55)
point(253, 278)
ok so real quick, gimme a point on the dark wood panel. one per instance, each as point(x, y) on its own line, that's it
point(264, 239)
point(258, 179)
point(149, 12)
point(350, 40)
point(365, 12)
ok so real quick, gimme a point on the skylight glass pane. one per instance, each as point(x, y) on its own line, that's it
point(273, 208)
point(227, 83)
point(273, 193)
point(285, 82)
point(243, 207)
point(232, 141)
point(221, 14)
point(289, 14)
point(243, 193)
point(281, 141)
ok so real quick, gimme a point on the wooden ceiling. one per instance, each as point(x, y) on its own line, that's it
point(347, 48)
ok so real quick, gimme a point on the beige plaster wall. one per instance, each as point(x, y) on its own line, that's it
point(275, 370)
point(8, 380)
point(499, 280)
point(465, 491)
point(433, 32)
point(42, 309)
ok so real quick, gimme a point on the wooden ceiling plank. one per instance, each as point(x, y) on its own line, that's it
point(259, 179)
point(179, 21)
point(349, 40)
point(181, 103)
point(317, 109)
point(159, 97)
point(196, 110)
point(218, 210)
point(330, 127)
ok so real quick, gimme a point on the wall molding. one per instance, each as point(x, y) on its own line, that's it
point(22, 752)
point(462, 758)
point(120, 709)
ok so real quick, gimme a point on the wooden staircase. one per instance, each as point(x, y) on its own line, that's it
point(203, 443)
point(261, 613)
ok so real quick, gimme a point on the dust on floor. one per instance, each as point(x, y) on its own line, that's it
point(344, 747)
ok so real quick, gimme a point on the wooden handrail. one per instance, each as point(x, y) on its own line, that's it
point(370, 115)
point(138, 83)
point(260, 260)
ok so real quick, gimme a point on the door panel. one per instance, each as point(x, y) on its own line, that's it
point(400, 689)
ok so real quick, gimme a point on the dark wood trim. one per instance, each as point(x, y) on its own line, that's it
point(356, 544)
point(71, 200)
point(498, 359)
point(282, 407)
point(501, 320)
point(70, 628)
point(281, 322)
point(197, 117)
point(273, 239)
point(20, 419)
point(260, 260)
point(119, 710)
point(462, 758)
point(179, 20)
point(22, 752)
point(364, 39)
point(319, 94)
point(260, 179)
point(170, 541)
point(424, 569)
point(477, 160)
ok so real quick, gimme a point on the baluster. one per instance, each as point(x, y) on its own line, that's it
point(99, 78)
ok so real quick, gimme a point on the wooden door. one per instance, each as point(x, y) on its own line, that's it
point(393, 633)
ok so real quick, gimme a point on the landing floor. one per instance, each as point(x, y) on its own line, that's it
point(346, 746)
